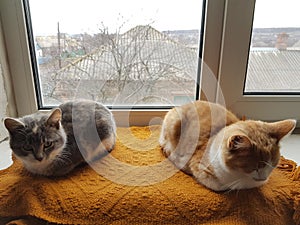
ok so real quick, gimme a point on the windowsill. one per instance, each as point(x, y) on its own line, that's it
point(5, 159)
point(289, 149)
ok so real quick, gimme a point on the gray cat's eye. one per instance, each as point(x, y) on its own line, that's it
point(48, 144)
point(27, 148)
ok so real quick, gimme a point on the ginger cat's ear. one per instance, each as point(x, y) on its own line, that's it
point(12, 124)
point(282, 128)
point(238, 142)
point(54, 118)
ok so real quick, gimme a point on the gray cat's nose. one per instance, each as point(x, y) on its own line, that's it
point(39, 152)
point(39, 158)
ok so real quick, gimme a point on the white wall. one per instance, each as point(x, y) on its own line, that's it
point(5, 159)
point(5, 109)
point(3, 96)
point(3, 106)
point(7, 103)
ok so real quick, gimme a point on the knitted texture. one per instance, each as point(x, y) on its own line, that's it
point(136, 184)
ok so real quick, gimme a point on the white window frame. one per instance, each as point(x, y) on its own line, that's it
point(17, 52)
point(237, 28)
point(226, 44)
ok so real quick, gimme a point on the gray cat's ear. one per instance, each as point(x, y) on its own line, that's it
point(282, 128)
point(12, 124)
point(54, 118)
point(238, 142)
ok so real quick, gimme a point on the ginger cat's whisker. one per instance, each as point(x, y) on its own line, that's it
point(227, 153)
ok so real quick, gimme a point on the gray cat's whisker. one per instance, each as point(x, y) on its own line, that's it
point(49, 144)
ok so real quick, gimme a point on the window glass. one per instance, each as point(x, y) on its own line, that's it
point(275, 49)
point(121, 53)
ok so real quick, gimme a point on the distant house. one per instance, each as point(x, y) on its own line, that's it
point(145, 66)
point(38, 50)
point(296, 46)
point(273, 70)
point(142, 63)
point(50, 44)
point(140, 45)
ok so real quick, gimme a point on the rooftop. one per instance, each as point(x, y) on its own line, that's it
point(272, 70)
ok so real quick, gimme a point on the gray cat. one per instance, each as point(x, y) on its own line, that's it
point(53, 144)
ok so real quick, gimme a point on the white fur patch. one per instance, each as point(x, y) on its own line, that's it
point(34, 130)
point(227, 179)
point(40, 167)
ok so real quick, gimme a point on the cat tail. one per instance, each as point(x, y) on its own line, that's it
point(185, 136)
point(170, 132)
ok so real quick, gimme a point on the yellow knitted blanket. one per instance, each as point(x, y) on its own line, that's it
point(135, 184)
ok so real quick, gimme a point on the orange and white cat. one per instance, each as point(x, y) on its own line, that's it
point(222, 152)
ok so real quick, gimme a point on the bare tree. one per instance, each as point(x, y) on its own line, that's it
point(124, 68)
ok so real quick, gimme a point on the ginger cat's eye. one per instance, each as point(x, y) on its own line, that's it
point(238, 154)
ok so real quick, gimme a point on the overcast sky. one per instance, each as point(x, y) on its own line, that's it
point(277, 13)
point(78, 16)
